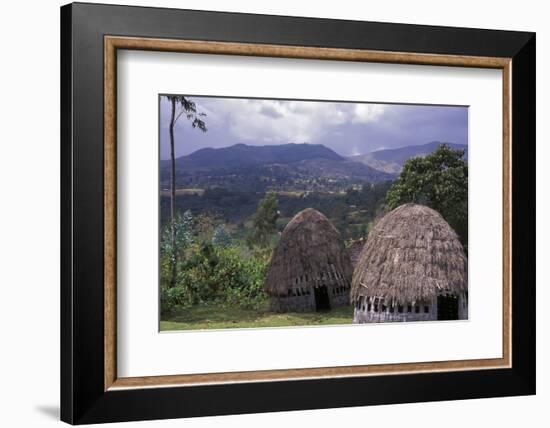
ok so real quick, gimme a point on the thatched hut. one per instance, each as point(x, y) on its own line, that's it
point(310, 269)
point(412, 268)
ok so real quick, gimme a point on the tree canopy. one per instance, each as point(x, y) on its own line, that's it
point(221, 237)
point(189, 109)
point(265, 220)
point(177, 236)
point(440, 181)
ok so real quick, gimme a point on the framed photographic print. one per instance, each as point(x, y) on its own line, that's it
point(266, 213)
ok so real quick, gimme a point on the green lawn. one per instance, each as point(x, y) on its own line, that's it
point(217, 316)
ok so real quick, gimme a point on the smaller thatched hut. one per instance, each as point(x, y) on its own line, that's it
point(310, 269)
point(412, 268)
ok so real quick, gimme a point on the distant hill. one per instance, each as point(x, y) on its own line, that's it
point(240, 155)
point(391, 160)
point(245, 166)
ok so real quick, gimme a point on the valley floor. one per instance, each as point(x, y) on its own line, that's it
point(220, 317)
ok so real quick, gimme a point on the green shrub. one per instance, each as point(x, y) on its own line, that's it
point(221, 237)
point(216, 274)
point(172, 298)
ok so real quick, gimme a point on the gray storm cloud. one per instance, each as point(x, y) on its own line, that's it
point(346, 128)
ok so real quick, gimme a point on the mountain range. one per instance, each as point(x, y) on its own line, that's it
point(391, 160)
point(289, 166)
point(294, 161)
point(240, 155)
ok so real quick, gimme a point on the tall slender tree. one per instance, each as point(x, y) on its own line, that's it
point(265, 220)
point(179, 106)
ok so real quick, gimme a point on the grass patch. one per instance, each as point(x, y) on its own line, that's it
point(202, 317)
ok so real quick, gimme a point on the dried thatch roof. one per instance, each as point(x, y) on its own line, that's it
point(310, 249)
point(410, 255)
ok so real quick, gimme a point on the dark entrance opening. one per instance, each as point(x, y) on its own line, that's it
point(322, 301)
point(447, 307)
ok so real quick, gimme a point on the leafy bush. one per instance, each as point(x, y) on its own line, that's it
point(265, 221)
point(172, 298)
point(221, 237)
point(183, 234)
point(216, 274)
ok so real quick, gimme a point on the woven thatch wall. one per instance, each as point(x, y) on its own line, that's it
point(310, 253)
point(371, 310)
point(411, 255)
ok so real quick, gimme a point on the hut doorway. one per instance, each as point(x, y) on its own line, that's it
point(447, 307)
point(322, 302)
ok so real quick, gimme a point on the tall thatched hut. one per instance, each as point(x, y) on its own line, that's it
point(412, 268)
point(310, 269)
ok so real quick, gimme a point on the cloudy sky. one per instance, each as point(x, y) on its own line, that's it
point(346, 128)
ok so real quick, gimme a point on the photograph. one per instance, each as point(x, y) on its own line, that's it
point(278, 212)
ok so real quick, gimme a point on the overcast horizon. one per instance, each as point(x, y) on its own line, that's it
point(345, 127)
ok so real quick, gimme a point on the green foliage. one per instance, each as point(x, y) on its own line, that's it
point(221, 237)
point(357, 208)
point(340, 218)
point(215, 274)
point(172, 298)
point(370, 197)
point(183, 226)
point(204, 225)
point(265, 220)
point(188, 109)
point(440, 181)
